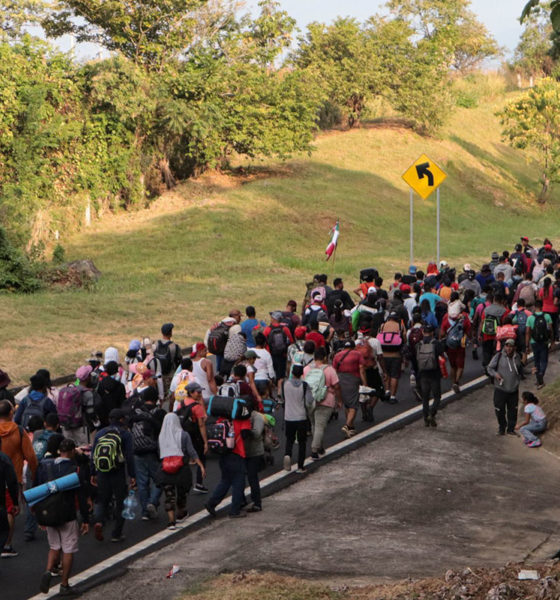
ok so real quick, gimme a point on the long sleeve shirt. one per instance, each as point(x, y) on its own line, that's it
point(127, 447)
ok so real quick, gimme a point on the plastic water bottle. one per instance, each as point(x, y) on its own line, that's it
point(131, 506)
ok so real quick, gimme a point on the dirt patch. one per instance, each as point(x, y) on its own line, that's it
point(469, 584)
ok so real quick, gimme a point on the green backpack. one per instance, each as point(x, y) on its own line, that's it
point(315, 379)
point(108, 454)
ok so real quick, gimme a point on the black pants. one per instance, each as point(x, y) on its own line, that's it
point(488, 348)
point(109, 485)
point(430, 385)
point(198, 444)
point(506, 403)
point(254, 464)
point(4, 526)
point(299, 429)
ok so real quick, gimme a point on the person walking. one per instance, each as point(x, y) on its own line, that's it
point(506, 369)
point(350, 367)
point(175, 476)
point(298, 405)
point(539, 335)
point(9, 489)
point(428, 352)
point(112, 455)
point(64, 537)
point(254, 459)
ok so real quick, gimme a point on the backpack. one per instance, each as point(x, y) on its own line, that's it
point(490, 325)
point(521, 318)
point(315, 379)
point(108, 454)
point(217, 338)
point(219, 438)
point(33, 409)
point(426, 356)
point(277, 341)
point(390, 340)
point(163, 354)
point(455, 335)
point(70, 407)
point(144, 432)
point(51, 512)
point(527, 292)
point(185, 416)
point(415, 337)
point(40, 444)
point(229, 389)
point(540, 329)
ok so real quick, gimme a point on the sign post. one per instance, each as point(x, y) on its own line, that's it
point(424, 176)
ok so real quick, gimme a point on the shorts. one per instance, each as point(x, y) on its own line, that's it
point(9, 504)
point(65, 537)
point(393, 366)
point(279, 363)
point(456, 357)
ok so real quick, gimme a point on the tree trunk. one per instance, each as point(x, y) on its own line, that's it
point(166, 174)
point(543, 196)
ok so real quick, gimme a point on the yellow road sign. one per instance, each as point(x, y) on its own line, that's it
point(424, 176)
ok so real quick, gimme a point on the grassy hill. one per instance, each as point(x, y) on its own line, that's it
point(224, 241)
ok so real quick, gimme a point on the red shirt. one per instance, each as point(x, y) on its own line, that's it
point(316, 337)
point(446, 325)
point(197, 412)
point(348, 361)
point(269, 328)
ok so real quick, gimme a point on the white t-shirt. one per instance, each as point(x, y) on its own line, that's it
point(536, 412)
point(263, 365)
point(375, 346)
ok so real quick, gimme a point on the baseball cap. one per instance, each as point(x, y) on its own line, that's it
point(393, 315)
point(406, 288)
point(276, 315)
point(466, 267)
point(198, 347)
point(372, 290)
point(135, 345)
point(495, 256)
point(167, 328)
point(251, 354)
point(116, 414)
point(83, 372)
point(300, 332)
point(412, 269)
point(95, 356)
point(193, 386)
point(509, 342)
point(524, 238)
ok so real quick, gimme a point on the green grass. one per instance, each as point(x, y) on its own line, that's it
point(221, 242)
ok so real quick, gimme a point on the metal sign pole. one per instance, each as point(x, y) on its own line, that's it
point(438, 227)
point(411, 227)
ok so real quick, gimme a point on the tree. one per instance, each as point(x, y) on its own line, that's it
point(149, 32)
point(532, 123)
point(533, 54)
point(15, 15)
point(451, 25)
point(533, 5)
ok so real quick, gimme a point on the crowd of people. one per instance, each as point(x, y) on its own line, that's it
point(145, 421)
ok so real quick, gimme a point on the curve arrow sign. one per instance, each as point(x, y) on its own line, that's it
point(423, 170)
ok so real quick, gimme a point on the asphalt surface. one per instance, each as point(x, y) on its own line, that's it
point(19, 576)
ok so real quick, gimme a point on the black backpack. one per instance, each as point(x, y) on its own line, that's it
point(33, 409)
point(277, 341)
point(188, 425)
point(540, 329)
point(163, 354)
point(144, 431)
point(217, 338)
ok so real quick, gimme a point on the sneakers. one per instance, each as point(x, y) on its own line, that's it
point(393, 400)
point(350, 432)
point(287, 464)
point(240, 515)
point(67, 591)
point(98, 532)
point(8, 552)
point(315, 456)
point(254, 509)
point(412, 380)
point(211, 509)
point(151, 511)
point(145, 517)
point(500, 432)
point(117, 538)
point(301, 470)
point(455, 387)
point(200, 489)
point(182, 515)
point(427, 421)
point(433, 421)
point(171, 526)
point(535, 444)
point(511, 433)
point(45, 584)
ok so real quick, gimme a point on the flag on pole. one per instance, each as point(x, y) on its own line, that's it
point(335, 232)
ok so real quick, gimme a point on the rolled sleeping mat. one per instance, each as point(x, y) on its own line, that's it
point(62, 484)
point(228, 408)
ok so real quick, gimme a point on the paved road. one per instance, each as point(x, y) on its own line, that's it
point(19, 577)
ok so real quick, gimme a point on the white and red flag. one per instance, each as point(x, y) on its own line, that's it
point(335, 232)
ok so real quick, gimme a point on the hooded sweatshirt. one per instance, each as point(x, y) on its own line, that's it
point(18, 447)
point(34, 396)
point(509, 369)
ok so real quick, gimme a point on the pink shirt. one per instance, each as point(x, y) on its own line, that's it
point(331, 379)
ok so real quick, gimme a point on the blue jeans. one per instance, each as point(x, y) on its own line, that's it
point(540, 351)
point(232, 467)
point(147, 468)
point(528, 431)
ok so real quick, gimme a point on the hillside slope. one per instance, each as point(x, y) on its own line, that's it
point(222, 241)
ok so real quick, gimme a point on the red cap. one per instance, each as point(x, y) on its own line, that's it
point(300, 332)
point(197, 348)
point(406, 288)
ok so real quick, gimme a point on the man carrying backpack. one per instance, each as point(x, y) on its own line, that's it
point(76, 407)
point(145, 422)
point(325, 388)
point(110, 394)
point(520, 318)
point(193, 420)
point(539, 336)
point(63, 534)
point(506, 369)
point(278, 338)
point(168, 353)
point(456, 329)
point(112, 455)
point(490, 319)
point(428, 352)
point(35, 403)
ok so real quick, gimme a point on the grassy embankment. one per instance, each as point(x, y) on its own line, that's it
point(224, 241)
